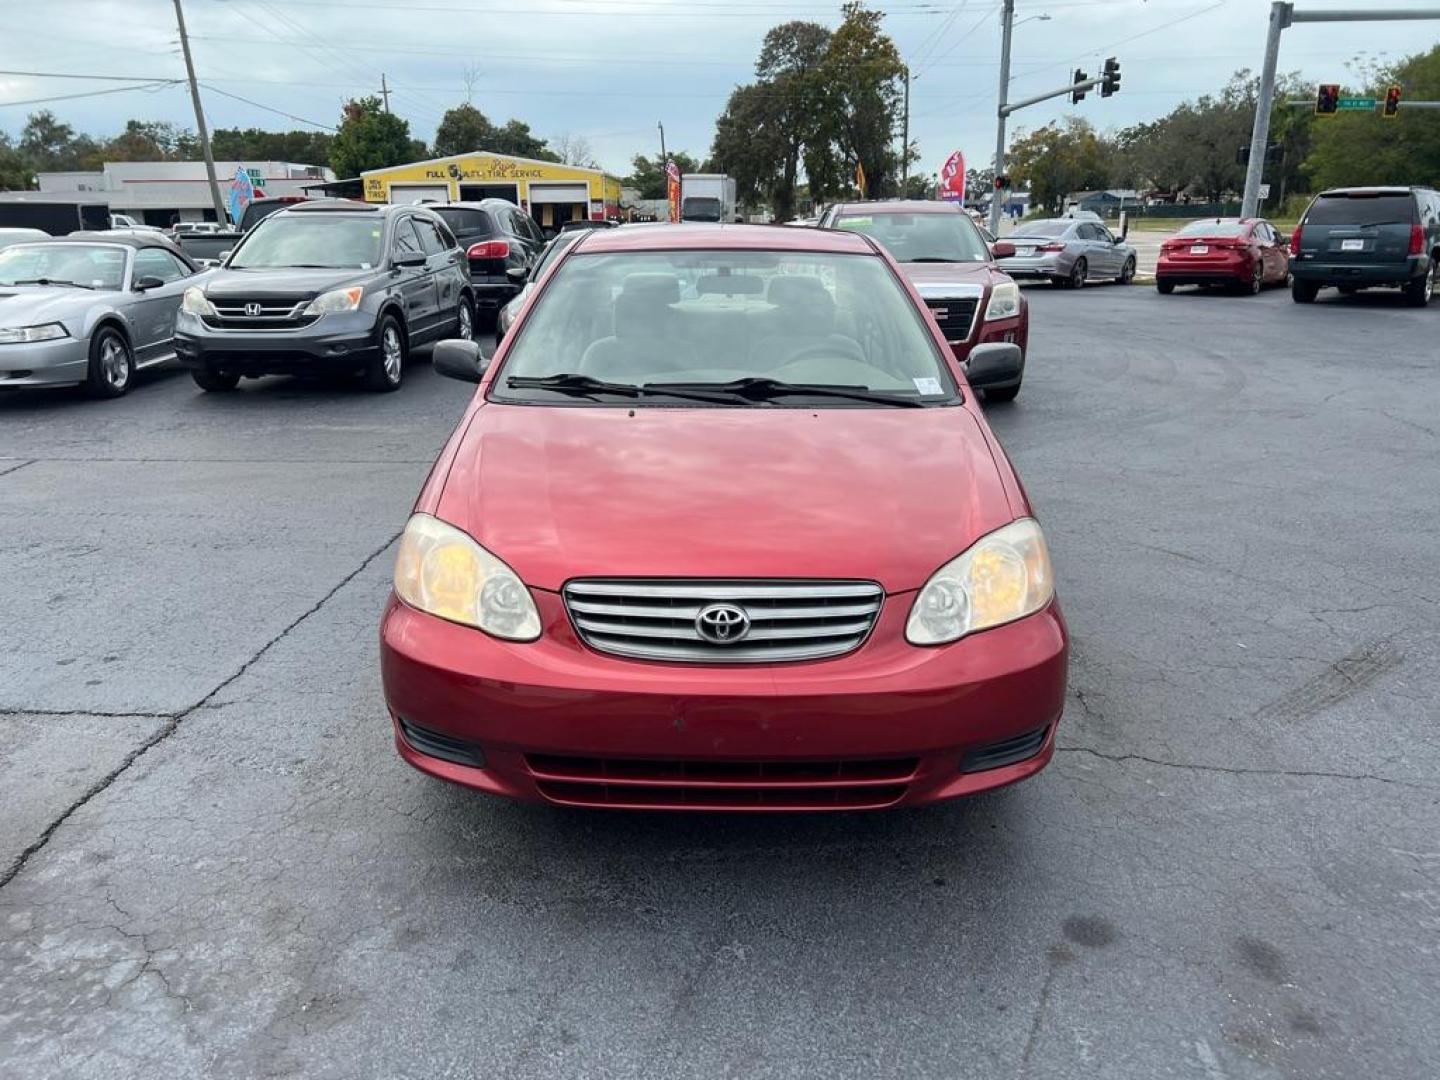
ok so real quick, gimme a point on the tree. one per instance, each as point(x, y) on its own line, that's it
point(1058, 159)
point(253, 144)
point(50, 146)
point(15, 171)
point(369, 138)
point(573, 150)
point(516, 138)
point(147, 140)
point(754, 146)
point(920, 187)
point(648, 174)
point(463, 130)
point(864, 77)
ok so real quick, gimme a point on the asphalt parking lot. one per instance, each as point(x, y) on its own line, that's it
point(214, 865)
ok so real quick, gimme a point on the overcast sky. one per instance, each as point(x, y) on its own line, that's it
point(610, 69)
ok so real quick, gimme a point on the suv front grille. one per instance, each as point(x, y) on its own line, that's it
point(253, 314)
point(779, 620)
point(956, 315)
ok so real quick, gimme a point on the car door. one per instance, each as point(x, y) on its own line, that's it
point(1110, 251)
point(1271, 251)
point(444, 266)
point(417, 284)
point(153, 309)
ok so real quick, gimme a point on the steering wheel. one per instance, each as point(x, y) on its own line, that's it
point(842, 348)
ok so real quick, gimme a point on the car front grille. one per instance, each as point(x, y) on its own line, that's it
point(249, 313)
point(956, 315)
point(776, 621)
point(722, 785)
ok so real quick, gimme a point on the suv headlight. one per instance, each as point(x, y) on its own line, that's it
point(1004, 302)
point(336, 300)
point(19, 334)
point(195, 302)
point(1003, 576)
point(443, 572)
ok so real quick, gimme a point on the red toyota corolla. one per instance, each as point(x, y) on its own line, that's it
point(1244, 254)
point(724, 529)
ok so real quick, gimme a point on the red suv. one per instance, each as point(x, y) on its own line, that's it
point(724, 528)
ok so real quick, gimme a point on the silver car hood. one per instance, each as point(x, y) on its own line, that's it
point(32, 305)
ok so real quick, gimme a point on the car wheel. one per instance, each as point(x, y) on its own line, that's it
point(1076, 280)
point(1164, 288)
point(1304, 292)
point(384, 372)
point(1418, 291)
point(1257, 280)
point(465, 320)
point(1001, 394)
point(1127, 272)
point(112, 367)
point(214, 382)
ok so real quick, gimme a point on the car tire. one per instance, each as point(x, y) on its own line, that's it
point(1256, 282)
point(1417, 291)
point(214, 382)
point(1078, 274)
point(386, 371)
point(1164, 288)
point(465, 319)
point(112, 364)
point(1127, 272)
point(1000, 394)
point(1304, 292)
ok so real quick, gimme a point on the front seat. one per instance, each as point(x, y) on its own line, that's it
point(804, 320)
point(646, 345)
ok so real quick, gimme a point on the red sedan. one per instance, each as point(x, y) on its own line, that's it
point(1245, 254)
point(724, 528)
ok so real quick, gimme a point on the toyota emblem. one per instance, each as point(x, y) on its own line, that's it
point(722, 624)
point(253, 309)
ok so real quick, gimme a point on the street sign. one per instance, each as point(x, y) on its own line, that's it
point(1357, 103)
point(1264, 192)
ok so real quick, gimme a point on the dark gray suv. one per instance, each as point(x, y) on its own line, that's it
point(327, 287)
point(1352, 238)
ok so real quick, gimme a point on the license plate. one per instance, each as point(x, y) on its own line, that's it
point(1352, 245)
point(1027, 252)
point(1199, 249)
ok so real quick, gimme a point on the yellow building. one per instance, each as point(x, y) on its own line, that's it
point(552, 194)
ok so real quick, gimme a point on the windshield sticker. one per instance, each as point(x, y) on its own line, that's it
point(364, 266)
point(926, 387)
point(854, 222)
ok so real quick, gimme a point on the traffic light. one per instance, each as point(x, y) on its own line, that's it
point(1111, 85)
point(1001, 183)
point(1327, 99)
point(1077, 95)
point(1392, 103)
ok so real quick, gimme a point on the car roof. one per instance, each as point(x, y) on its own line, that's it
point(122, 239)
point(901, 206)
point(471, 204)
point(345, 206)
point(723, 237)
point(1376, 190)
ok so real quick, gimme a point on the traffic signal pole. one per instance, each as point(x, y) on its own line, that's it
point(1007, 29)
point(1283, 15)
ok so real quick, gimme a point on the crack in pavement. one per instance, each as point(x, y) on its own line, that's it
point(1236, 771)
point(102, 714)
point(17, 468)
point(173, 720)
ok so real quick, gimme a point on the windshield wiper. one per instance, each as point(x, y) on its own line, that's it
point(761, 389)
point(933, 258)
point(51, 281)
point(588, 386)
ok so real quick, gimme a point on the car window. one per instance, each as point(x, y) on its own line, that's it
point(553, 249)
point(1361, 209)
point(94, 266)
point(925, 237)
point(531, 229)
point(430, 239)
point(465, 222)
point(717, 316)
point(1213, 227)
point(446, 236)
point(152, 262)
point(329, 240)
point(1042, 228)
point(407, 242)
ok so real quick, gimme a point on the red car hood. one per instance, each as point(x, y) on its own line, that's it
point(879, 494)
point(932, 277)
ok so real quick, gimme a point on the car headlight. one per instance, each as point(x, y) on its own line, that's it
point(336, 300)
point(1004, 302)
point(442, 571)
point(19, 334)
point(195, 302)
point(1002, 577)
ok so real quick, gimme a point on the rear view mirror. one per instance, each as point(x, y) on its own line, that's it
point(995, 364)
point(457, 358)
point(1002, 249)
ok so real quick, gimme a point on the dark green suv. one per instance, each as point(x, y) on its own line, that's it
point(1353, 238)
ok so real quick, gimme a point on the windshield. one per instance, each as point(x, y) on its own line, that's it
point(1042, 228)
point(705, 318)
point(257, 212)
point(701, 209)
point(921, 237)
point(95, 267)
point(552, 249)
point(1213, 227)
point(1361, 210)
point(339, 241)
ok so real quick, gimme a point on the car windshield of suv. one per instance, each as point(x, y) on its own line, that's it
point(1042, 228)
point(89, 267)
point(1362, 210)
point(1212, 228)
point(329, 240)
point(725, 328)
point(921, 237)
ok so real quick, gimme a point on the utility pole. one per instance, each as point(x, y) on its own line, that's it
point(905, 138)
point(1282, 16)
point(220, 214)
point(1007, 28)
point(663, 157)
point(385, 91)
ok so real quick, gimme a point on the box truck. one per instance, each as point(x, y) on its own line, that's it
point(707, 197)
point(56, 218)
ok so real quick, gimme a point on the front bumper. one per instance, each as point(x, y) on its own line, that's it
point(887, 725)
point(339, 342)
point(63, 362)
point(1394, 272)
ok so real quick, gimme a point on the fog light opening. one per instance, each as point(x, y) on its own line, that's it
point(439, 745)
point(1009, 751)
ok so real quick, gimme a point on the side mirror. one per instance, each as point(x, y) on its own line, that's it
point(1002, 249)
point(457, 358)
point(517, 273)
point(224, 254)
point(148, 282)
point(408, 260)
point(996, 364)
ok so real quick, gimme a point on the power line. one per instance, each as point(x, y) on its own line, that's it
point(155, 85)
point(72, 75)
point(268, 108)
